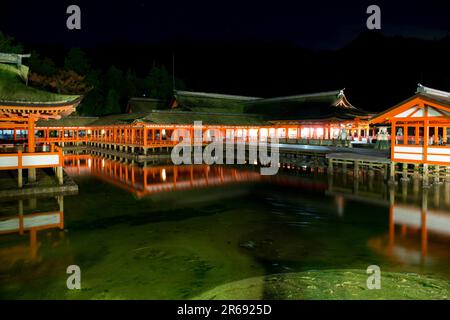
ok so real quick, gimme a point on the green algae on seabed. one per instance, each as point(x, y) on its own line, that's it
point(159, 260)
point(330, 285)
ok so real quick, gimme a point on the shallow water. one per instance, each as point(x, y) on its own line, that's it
point(165, 232)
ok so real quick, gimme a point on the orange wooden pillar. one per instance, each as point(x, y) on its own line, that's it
point(405, 134)
point(133, 133)
point(426, 136)
point(144, 139)
point(444, 135)
point(393, 139)
point(31, 139)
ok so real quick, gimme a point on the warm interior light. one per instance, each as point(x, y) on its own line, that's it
point(319, 132)
point(253, 132)
point(304, 133)
point(272, 132)
point(163, 175)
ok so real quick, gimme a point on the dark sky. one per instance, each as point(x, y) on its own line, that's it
point(312, 24)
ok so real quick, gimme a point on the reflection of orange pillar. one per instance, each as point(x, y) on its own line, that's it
point(21, 217)
point(61, 212)
point(391, 228)
point(404, 229)
point(145, 178)
point(423, 224)
point(132, 176)
point(391, 219)
point(424, 234)
point(33, 243)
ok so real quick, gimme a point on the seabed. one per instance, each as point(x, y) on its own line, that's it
point(302, 234)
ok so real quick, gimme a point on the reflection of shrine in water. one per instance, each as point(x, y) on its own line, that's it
point(29, 221)
point(418, 218)
point(148, 180)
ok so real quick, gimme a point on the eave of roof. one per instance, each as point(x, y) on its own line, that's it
point(13, 92)
point(300, 97)
point(70, 121)
point(214, 95)
point(425, 95)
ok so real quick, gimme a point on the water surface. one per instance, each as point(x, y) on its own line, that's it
point(165, 232)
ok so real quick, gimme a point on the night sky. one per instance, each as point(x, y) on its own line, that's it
point(255, 48)
point(309, 24)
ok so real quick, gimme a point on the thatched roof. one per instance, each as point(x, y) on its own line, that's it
point(217, 109)
point(186, 117)
point(14, 92)
point(140, 105)
point(118, 119)
point(331, 105)
point(70, 121)
point(210, 102)
point(157, 117)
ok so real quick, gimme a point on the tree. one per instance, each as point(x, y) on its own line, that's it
point(77, 61)
point(9, 45)
point(43, 66)
point(114, 78)
point(92, 103)
point(112, 105)
point(158, 84)
point(63, 81)
point(130, 84)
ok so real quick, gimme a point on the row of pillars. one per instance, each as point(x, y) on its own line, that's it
point(424, 171)
point(32, 175)
point(357, 166)
point(436, 173)
point(127, 148)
